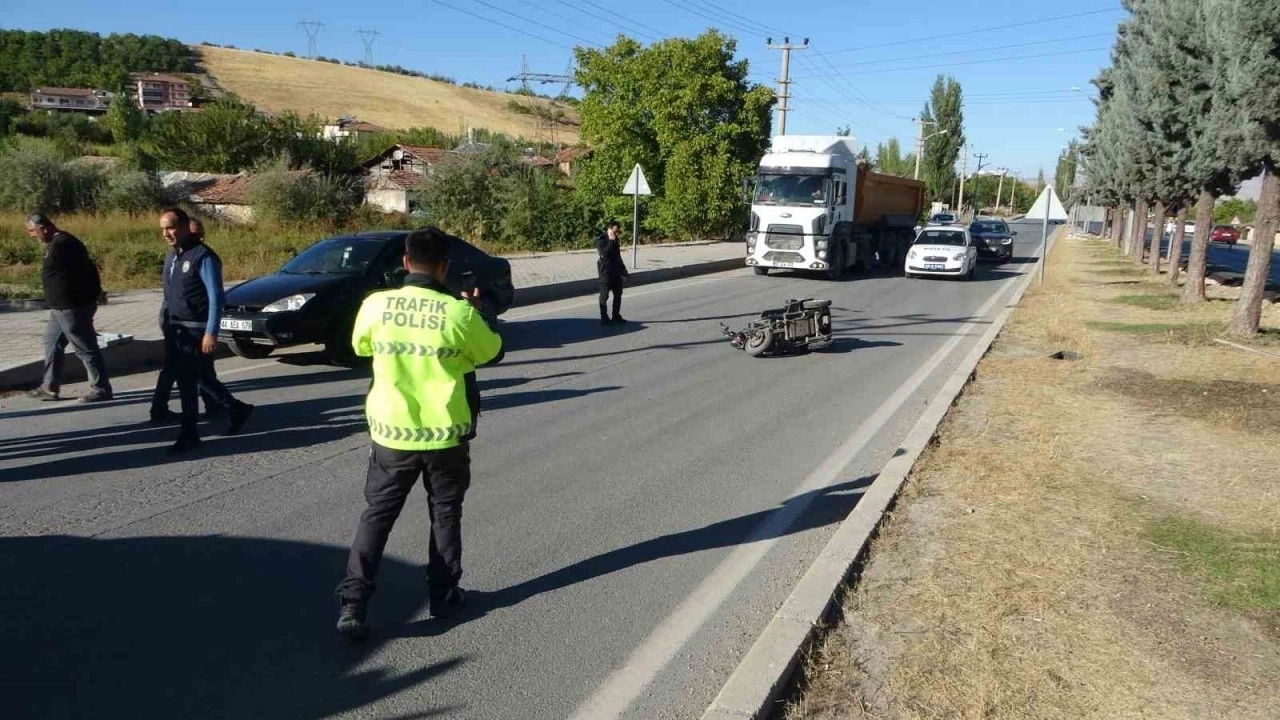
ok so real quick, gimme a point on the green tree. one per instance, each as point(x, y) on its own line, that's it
point(889, 159)
point(125, 120)
point(684, 110)
point(1247, 34)
point(1064, 176)
point(942, 151)
point(227, 136)
point(72, 58)
point(1232, 208)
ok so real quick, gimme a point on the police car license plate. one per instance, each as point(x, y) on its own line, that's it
point(934, 266)
point(229, 324)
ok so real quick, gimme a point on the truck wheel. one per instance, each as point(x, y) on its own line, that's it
point(759, 342)
point(248, 349)
point(761, 270)
point(835, 270)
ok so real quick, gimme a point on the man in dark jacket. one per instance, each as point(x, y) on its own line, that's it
point(168, 371)
point(612, 271)
point(193, 302)
point(71, 288)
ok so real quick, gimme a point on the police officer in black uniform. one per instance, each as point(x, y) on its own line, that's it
point(193, 301)
point(611, 271)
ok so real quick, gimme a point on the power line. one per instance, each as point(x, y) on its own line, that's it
point(989, 28)
point(535, 22)
point(856, 92)
point(970, 52)
point(717, 20)
point(973, 62)
point(575, 20)
point(762, 27)
point(615, 23)
point(502, 25)
point(312, 29)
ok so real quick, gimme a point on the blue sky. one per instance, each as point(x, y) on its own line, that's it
point(870, 64)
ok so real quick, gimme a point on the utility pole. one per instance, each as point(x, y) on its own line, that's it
point(964, 171)
point(1000, 187)
point(368, 36)
point(920, 143)
point(784, 83)
point(312, 29)
point(544, 127)
point(1013, 192)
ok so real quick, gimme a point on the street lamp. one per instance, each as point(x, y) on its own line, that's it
point(920, 149)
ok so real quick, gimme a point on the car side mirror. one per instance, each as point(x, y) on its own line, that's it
point(1013, 233)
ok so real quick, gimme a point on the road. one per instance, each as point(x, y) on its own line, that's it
point(1220, 255)
point(644, 499)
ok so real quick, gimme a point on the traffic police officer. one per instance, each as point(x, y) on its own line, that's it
point(422, 409)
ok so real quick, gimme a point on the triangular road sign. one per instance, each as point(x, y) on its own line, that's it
point(636, 184)
point(1049, 204)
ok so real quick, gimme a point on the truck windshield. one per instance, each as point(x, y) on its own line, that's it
point(806, 190)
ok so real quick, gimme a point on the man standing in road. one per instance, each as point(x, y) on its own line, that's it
point(422, 410)
point(168, 371)
point(71, 288)
point(193, 301)
point(612, 271)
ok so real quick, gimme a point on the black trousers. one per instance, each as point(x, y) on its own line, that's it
point(168, 377)
point(446, 474)
point(191, 369)
point(610, 283)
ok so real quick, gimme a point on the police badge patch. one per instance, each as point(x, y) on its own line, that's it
point(186, 265)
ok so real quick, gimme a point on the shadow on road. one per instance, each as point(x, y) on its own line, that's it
point(559, 332)
point(191, 627)
point(814, 509)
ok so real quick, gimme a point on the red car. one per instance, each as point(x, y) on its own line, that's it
point(1224, 234)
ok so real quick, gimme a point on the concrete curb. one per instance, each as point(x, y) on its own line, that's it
point(141, 355)
point(575, 288)
point(765, 670)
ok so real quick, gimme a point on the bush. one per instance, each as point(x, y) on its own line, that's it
point(291, 197)
point(37, 178)
point(134, 192)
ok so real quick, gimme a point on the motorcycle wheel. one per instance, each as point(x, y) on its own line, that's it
point(759, 342)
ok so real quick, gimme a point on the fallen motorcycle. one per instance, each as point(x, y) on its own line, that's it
point(797, 326)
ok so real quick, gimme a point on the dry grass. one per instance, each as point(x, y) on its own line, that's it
point(278, 83)
point(1032, 569)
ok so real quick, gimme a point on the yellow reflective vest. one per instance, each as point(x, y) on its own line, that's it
point(425, 346)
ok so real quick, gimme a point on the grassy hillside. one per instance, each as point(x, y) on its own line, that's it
point(276, 83)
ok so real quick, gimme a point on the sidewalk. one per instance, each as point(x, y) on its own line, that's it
point(538, 278)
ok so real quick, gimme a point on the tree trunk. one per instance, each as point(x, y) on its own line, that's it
point(1193, 290)
point(1157, 234)
point(1139, 242)
point(1175, 245)
point(1244, 323)
point(1117, 230)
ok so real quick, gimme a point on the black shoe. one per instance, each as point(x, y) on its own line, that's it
point(238, 414)
point(183, 444)
point(452, 600)
point(96, 396)
point(619, 320)
point(163, 417)
point(604, 321)
point(351, 623)
point(212, 411)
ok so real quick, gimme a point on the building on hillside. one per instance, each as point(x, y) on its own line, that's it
point(157, 92)
point(567, 159)
point(60, 99)
point(225, 197)
point(349, 129)
point(391, 176)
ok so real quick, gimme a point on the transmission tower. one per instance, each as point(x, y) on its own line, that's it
point(368, 36)
point(312, 29)
point(545, 126)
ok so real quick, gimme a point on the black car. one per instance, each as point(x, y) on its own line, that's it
point(993, 238)
point(314, 298)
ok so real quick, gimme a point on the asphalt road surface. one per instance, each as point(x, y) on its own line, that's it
point(643, 500)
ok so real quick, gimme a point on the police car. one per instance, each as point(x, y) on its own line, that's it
point(942, 250)
point(314, 298)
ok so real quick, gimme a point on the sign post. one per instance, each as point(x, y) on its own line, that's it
point(635, 187)
point(1045, 208)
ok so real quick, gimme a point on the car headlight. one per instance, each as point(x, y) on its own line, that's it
point(293, 302)
point(959, 256)
point(1006, 241)
point(911, 255)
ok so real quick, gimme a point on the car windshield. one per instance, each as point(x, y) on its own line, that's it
point(806, 190)
point(942, 218)
point(336, 256)
point(989, 227)
point(941, 237)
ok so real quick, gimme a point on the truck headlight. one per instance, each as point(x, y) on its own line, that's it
point(822, 243)
point(293, 302)
point(822, 254)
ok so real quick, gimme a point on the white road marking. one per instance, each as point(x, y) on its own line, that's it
point(626, 683)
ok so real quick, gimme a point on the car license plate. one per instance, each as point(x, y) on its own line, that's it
point(783, 264)
point(934, 266)
point(229, 324)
